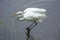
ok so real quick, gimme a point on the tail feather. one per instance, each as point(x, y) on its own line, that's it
point(40, 20)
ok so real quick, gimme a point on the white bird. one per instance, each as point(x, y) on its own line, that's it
point(31, 14)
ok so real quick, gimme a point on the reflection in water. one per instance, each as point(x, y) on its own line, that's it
point(13, 30)
point(1, 22)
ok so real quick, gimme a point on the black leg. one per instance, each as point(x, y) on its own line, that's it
point(34, 25)
point(29, 26)
point(28, 34)
point(28, 29)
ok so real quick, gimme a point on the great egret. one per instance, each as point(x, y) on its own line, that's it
point(31, 14)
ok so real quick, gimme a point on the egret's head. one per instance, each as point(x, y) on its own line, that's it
point(19, 13)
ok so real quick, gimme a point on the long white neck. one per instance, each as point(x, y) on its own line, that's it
point(20, 16)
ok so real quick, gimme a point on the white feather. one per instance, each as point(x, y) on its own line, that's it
point(32, 14)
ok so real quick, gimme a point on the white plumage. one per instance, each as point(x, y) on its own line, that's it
point(31, 14)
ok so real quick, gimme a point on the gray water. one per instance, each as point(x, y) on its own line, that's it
point(15, 30)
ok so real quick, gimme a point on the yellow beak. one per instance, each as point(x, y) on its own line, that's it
point(14, 15)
